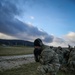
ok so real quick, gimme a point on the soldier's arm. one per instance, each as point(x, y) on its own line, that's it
point(50, 61)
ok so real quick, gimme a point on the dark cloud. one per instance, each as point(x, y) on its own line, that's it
point(8, 8)
point(48, 38)
point(11, 26)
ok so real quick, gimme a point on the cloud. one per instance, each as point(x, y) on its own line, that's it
point(64, 40)
point(4, 36)
point(32, 17)
point(70, 38)
point(11, 26)
point(58, 42)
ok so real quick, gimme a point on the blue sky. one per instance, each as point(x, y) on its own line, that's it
point(55, 17)
point(51, 18)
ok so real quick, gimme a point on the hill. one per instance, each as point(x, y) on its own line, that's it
point(15, 42)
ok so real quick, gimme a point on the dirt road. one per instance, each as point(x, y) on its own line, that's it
point(8, 62)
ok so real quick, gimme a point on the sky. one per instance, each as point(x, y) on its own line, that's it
point(53, 21)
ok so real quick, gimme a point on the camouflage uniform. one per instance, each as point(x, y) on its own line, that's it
point(71, 61)
point(66, 55)
point(59, 51)
point(62, 53)
point(49, 62)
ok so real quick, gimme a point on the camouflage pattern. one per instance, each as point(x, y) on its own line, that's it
point(71, 61)
point(63, 57)
point(49, 62)
point(66, 56)
point(60, 53)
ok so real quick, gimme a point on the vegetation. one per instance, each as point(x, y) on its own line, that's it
point(12, 50)
point(27, 69)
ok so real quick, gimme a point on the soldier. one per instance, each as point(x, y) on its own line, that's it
point(48, 59)
point(71, 61)
point(60, 54)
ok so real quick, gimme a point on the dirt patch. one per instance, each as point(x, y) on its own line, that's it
point(14, 63)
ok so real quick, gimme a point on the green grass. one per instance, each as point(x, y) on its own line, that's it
point(27, 69)
point(6, 51)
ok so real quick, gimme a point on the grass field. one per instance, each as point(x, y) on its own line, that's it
point(27, 69)
point(9, 50)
